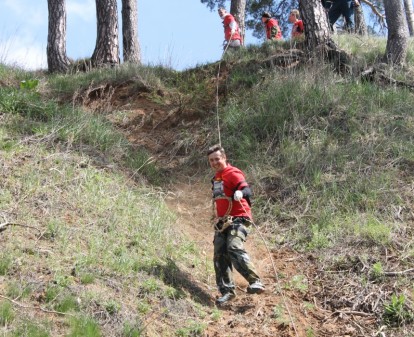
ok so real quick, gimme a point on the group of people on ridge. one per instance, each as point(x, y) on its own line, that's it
point(233, 38)
point(333, 8)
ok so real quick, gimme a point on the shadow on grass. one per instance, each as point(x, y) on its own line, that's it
point(183, 282)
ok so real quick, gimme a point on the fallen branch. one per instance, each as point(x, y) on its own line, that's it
point(374, 74)
point(396, 273)
point(6, 224)
point(375, 10)
point(36, 308)
point(350, 312)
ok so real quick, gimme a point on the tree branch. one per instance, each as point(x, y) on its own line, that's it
point(396, 273)
point(5, 224)
point(376, 11)
point(36, 308)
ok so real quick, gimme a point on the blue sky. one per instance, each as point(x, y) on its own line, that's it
point(175, 33)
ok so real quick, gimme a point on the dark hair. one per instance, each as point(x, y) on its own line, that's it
point(266, 15)
point(215, 148)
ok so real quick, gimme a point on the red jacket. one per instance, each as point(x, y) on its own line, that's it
point(227, 21)
point(298, 29)
point(272, 24)
point(225, 183)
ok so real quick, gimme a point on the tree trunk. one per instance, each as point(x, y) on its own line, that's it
point(131, 48)
point(238, 10)
point(409, 14)
point(397, 40)
point(107, 42)
point(360, 25)
point(317, 31)
point(57, 60)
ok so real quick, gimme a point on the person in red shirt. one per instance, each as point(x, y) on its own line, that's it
point(232, 37)
point(298, 29)
point(273, 31)
point(231, 196)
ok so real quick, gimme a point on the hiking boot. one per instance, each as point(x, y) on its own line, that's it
point(227, 297)
point(255, 288)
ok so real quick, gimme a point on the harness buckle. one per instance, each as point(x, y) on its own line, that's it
point(223, 223)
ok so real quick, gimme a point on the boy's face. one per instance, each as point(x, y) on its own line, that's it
point(221, 13)
point(292, 17)
point(217, 161)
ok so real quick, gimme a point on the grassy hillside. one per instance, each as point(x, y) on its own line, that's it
point(89, 246)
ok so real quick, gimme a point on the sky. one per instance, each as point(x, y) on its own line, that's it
point(179, 34)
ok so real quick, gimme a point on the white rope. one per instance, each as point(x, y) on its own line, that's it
point(217, 89)
point(260, 234)
point(276, 277)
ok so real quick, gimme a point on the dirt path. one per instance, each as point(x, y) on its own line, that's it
point(289, 306)
point(281, 309)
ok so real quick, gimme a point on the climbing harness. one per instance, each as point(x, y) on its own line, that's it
point(222, 223)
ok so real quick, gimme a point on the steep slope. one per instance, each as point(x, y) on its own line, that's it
point(291, 305)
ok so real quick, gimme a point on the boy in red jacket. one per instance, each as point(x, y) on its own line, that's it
point(231, 196)
point(232, 37)
point(273, 31)
point(297, 29)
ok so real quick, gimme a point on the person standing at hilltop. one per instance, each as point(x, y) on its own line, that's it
point(232, 37)
point(298, 29)
point(273, 31)
point(344, 8)
point(231, 197)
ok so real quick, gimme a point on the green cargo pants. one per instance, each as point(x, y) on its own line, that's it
point(229, 252)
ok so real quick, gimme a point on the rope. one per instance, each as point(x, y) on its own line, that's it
point(217, 88)
point(276, 277)
point(231, 203)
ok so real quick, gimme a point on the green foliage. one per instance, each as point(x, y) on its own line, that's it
point(52, 292)
point(31, 329)
point(216, 314)
point(84, 327)
point(374, 231)
point(150, 286)
point(112, 307)
point(6, 313)
point(310, 332)
point(53, 229)
point(62, 280)
point(132, 330)
point(298, 282)
point(87, 278)
point(377, 270)
point(67, 303)
point(29, 84)
point(144, 77)
point(280, 316)
point(16, 289)
point(395, 311)
point(172, 293)
point(140, 162)
point(5, 262)
point(143, 307)
point(192, 328)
